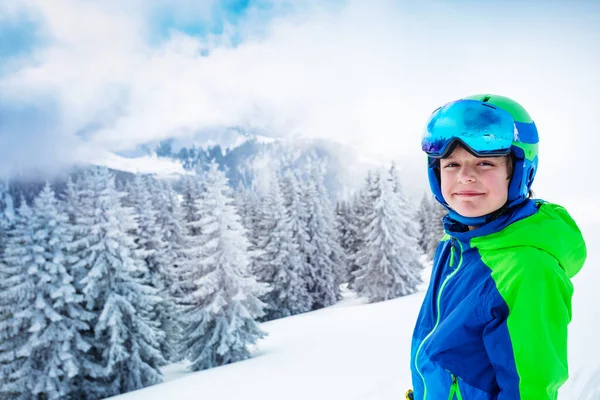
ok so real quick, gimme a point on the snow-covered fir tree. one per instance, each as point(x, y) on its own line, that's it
point(279, 263)
point(425, 219)
point(221, 320)
point(152, 249)
point(17, 299)
point(436, 227)
point(338, 256)
point(429, 217)
point(7, 211)
point(346, 226)
point(389, 261)
point(326, 262)
point(192, 190)
point(5, 274)
point(247, 204)
point(126, 348)
point(147, 234)
point(341, 221)
point(362, 210)
point(170, 220)
point(298, 218)
point(54, 353)
point(7, 215)
point(408, 212)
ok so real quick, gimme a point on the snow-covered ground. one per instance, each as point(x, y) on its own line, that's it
point(357, 351)
point(584, 332)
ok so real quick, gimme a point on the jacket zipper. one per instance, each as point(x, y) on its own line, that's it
point(437, 320)
point(454, 389)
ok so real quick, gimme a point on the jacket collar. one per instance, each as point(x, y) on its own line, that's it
point(461, 232)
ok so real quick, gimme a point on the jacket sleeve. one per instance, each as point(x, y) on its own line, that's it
point(526, 340)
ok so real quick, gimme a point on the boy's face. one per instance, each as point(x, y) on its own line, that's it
point(474, 186)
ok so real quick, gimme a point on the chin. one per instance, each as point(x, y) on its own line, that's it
point(471, 212)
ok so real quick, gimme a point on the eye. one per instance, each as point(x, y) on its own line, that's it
point(451, 165)
point(486, 164)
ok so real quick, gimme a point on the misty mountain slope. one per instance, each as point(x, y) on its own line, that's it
point(246, 158)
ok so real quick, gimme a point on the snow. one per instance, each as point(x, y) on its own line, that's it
point(230, 142)
point(584, 346)
point(162, 166)
point(140, 165)
point(349, 351)
point(361, 351)
point(265, 139)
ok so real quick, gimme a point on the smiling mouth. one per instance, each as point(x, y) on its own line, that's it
point(468, 194)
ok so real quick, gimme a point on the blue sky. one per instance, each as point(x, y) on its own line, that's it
point(77, 76)
point(20, 33)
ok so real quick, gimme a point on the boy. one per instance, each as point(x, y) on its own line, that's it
point(493, 324)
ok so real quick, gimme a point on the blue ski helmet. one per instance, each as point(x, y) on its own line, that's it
point(486, 125)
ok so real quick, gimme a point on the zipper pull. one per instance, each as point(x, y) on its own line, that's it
point(452, 251)
point(454, 389)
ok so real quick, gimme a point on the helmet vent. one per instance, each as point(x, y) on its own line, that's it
point(488, 105)
point(486, 98)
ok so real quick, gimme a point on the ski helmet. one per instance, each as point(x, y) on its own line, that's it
point(486, 125)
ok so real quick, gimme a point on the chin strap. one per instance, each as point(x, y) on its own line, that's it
point(469, 221)
point(484, 219)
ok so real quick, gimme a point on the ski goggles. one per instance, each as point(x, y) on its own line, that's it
point(482, 128)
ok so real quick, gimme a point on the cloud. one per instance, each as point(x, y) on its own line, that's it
point(364, 74)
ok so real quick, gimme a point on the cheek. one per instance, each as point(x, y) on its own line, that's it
point(499, 184)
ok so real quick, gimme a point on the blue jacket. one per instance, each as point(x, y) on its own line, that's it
point(493, 324)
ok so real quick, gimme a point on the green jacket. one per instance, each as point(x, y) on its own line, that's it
point(493, 324)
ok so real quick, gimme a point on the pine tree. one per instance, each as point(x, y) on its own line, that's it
point(248, 204)
point(425, 219)
point(362, 210)
point(408, 213)
point(170, 220)
point(125, 354)
point(147, 234)
point(436, 227)
point(152, 250)
point(279, 263)
point(17, 299)
point(390, 259)
point(55, 351)
point(5, 306)
point(298, 217)
point(7, 211)
point(327, 264)
point(338, 257)
point(221, 319)
point(244, 206)
point(341, 223)
point(346, 230)
point(192, 190)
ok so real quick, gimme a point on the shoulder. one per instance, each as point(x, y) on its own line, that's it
point(527, 262)
point(523, 261)
point(529, 268)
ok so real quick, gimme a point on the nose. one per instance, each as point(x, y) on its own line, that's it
point(466, 174)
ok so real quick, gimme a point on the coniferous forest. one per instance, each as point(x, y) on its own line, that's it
point(102, 282)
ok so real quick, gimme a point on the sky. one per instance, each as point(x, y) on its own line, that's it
point(81, 76)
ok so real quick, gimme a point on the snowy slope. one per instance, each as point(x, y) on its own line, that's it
point(349, 351)
point(355, 351)
point(584, 333)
